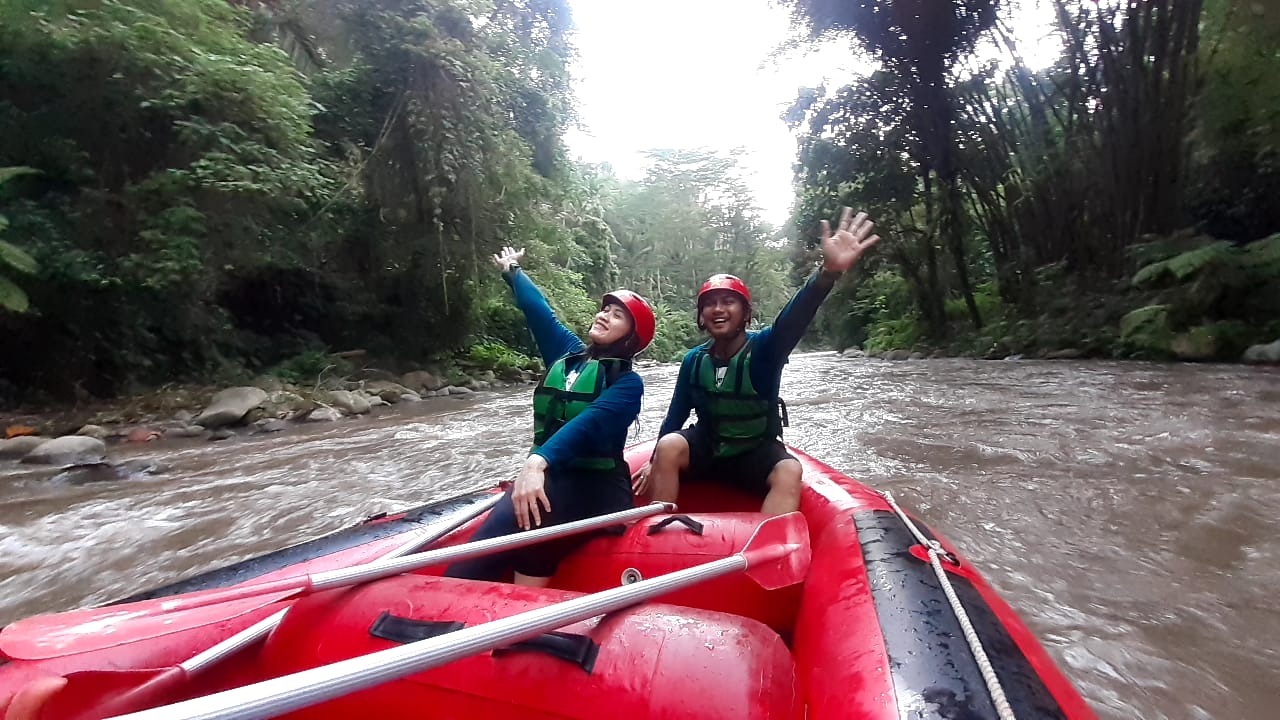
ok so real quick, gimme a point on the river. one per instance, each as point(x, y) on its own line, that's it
point(1126, 510)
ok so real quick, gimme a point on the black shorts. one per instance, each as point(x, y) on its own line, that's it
point(748, 472)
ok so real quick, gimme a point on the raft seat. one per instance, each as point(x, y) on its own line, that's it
point(666, 543)
point(651, 660)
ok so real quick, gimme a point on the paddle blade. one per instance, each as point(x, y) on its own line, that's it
point(778, 553)
point(50, 636)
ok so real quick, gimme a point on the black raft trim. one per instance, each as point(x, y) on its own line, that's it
point(577, 649)
point(407, 630)
point(928, 655)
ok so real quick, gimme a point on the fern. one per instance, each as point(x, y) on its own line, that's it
point(1181, 267)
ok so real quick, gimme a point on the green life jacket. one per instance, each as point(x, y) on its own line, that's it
point(738, 418)
point(555, 403)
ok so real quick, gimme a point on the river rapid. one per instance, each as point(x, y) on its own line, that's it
point(1126, 510)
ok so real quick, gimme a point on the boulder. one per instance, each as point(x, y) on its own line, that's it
point(68, 450)
point(19, 446)
point(93, 431)
point(916, 356)
point(323, 414)
point(1197, 344)
point(349, 402)
point(1268, 353)
point(389, 391)
point(897, 355)
point(185, 431)
point(269, 425)
point(455, 390)
point(410, 397)
point(420, 380)
point(283, 404)
point(479, 385)
point(230, 406)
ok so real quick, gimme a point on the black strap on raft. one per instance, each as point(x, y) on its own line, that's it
point(407, 630)
point(782, 413)
point(577, 649)
point(694, 526)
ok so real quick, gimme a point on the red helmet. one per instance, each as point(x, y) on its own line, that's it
point(642, 320)
point(732, 283)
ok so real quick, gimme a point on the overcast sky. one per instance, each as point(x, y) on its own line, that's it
point(698, 73)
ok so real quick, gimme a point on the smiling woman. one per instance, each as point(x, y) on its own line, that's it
point(581, 412)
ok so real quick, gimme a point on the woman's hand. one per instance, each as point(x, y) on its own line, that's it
point(640, 481)
point(529, 491)
point(841, 249)
point(508, 257)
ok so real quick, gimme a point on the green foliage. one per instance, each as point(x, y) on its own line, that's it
point(307, 368)
point(1213, 257)
point(12, 258)
point(897, 334)
point(498, 358)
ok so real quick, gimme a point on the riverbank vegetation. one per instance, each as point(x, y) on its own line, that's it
point(212, 190)
point(1118, 202)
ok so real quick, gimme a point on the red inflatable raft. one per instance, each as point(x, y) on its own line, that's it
point(870, 633)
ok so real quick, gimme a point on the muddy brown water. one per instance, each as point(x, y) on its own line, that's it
point(1127, 511)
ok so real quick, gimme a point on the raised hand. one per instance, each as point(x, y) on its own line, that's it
point(841, 249)
point(508, 257)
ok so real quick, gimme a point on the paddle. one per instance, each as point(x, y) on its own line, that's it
point(777, 555)
point(49, 636)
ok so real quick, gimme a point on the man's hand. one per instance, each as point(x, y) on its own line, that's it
point(528, 492)
point(841, 250)
point(508, 257)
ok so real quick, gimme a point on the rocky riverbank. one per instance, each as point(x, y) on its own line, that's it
point(83, 434)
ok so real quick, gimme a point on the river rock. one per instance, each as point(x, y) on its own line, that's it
point(916, 356)
point(1197, 344)
point(19, 446)
point(898, 355)
point(93, 431)
point(389, 391)
point(852, 353)
point(1064, 354)
point(186, 431)
point(220, 434)
point(284, 403)
point(479, 385)
point(487, 376)
point(230, 406)
point(376, 401)
point(323, 414)
point(420, 380)
point(68, 450)
point(410, 397)
point(183, 416)
point(455, 390)
point(349, 402)
point(269, 383)
point(105, 471)
point(269, 425)
point(1268, 353)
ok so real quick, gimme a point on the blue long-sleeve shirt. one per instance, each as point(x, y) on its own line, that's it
point(602, 427)
point(770, 349)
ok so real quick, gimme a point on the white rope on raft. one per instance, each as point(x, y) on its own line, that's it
point(970, 635)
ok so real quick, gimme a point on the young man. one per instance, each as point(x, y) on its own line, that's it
point(732, 382)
